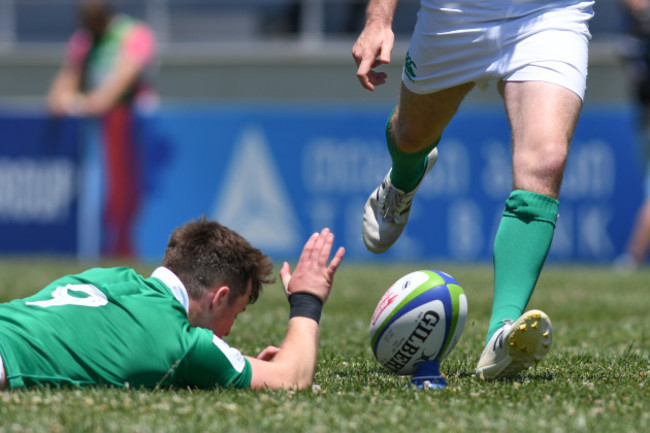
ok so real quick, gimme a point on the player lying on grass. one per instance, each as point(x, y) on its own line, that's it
point(115, 327)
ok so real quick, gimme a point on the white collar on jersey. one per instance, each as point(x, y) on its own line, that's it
point(174, 284)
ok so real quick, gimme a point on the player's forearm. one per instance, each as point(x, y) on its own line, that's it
point(293, 367)
point(299, 351)
point(104, 97)
point(294, 363)
point(380, 12)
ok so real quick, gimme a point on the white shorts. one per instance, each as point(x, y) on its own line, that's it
point(517, 40)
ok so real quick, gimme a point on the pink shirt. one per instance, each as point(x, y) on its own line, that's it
point(138, 46)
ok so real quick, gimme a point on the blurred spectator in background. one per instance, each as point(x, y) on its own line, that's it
point(104, 76)
point(637, 56)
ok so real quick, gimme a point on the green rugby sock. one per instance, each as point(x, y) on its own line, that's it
point(408, 168)
point(520, 249)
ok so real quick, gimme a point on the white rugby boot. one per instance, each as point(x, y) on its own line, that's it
point(516, 346)
point(387, 211)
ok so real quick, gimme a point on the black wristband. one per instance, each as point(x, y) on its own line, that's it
point(303, 304)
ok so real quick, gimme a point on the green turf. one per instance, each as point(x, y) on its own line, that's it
point(595, 379)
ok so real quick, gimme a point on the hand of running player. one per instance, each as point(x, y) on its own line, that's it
point(372, 49)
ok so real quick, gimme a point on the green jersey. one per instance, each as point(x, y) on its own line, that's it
point(113, 326)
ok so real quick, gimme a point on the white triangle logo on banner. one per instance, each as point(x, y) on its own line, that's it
point(253, 200)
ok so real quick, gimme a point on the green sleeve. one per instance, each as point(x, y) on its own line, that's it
point(212, 362)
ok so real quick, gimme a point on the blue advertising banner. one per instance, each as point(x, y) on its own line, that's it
point(276, 174)
point(38, 184)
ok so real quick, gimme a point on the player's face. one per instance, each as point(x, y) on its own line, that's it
point(228, 312)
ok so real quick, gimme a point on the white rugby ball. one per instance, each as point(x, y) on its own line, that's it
point(420, 318)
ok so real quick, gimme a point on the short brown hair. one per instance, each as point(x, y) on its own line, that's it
point(204, 253)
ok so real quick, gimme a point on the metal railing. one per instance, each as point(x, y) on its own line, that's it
point(25, 22)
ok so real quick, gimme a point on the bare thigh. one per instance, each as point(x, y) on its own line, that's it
point(542, 118)
point(419, 120)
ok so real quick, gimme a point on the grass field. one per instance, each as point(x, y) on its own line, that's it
point(595, 379)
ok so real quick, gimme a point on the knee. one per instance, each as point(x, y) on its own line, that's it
point(551, 159)
point(410, 138)
point(541, 168)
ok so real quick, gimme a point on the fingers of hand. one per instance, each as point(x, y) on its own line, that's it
point(386, 49)
point(308, 248)
point(268, 353)
point(323, 247)
point(336, 260)
point(369, 78)
point(363, 73)
point(365, 83)
point(377, 77)
point(312, 272)
point(285, 276)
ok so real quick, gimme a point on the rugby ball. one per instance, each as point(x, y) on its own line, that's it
point(420, 318)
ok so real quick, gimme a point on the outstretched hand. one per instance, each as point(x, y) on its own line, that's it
point(312, 273)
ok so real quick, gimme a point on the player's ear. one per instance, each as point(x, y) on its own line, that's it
point(219, 296)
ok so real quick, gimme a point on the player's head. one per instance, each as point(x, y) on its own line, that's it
point(205, 254)
point(95, 15)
